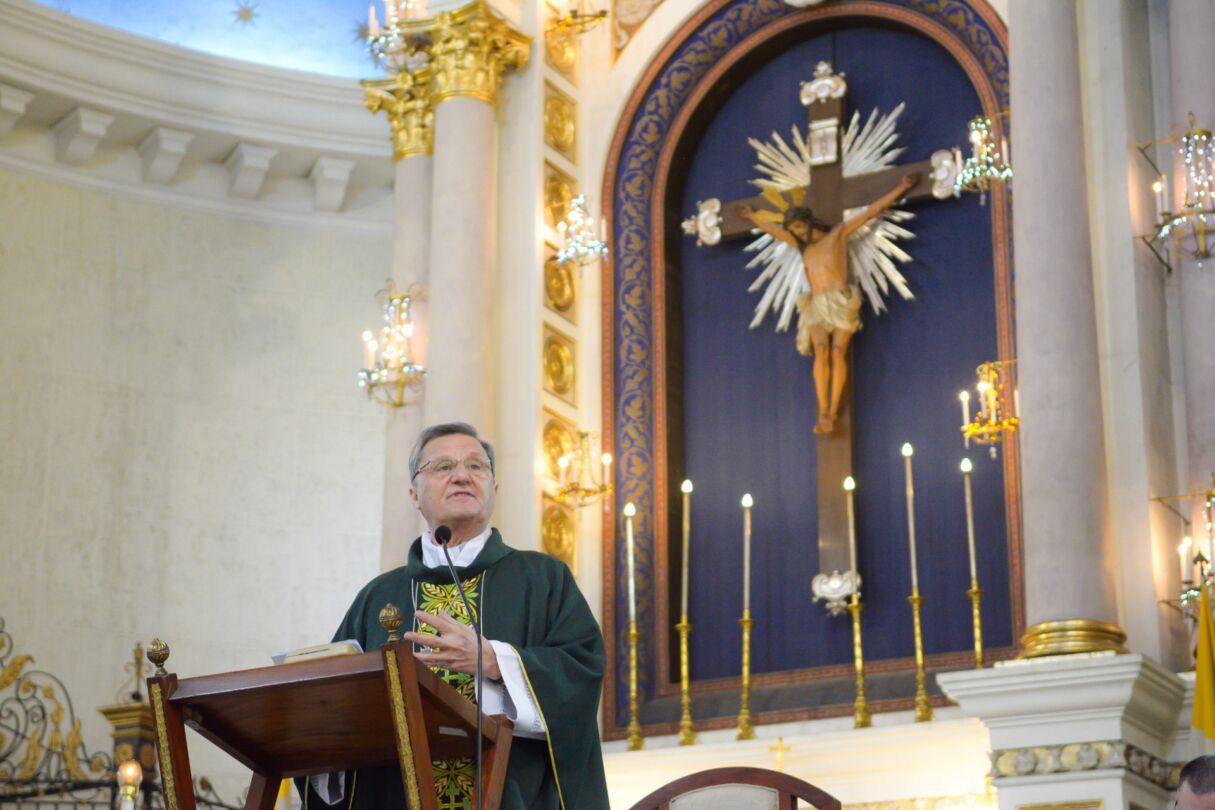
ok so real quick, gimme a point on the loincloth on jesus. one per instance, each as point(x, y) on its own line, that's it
point(831, 311)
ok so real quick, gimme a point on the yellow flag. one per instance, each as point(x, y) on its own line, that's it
point(1204, 681)
point(283, 802)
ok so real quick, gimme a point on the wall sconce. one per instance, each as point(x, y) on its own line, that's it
point(999, 406)
point(578, 486)
point(986, 163)
point(1190, 226)
point(389, 374)
point(580, 243)
point(579, 18)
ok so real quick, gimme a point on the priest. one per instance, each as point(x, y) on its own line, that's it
point(542, 650)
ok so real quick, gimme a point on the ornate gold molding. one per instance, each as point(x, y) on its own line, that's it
point(557, 531)
point(559, 191)
point(1072, 636)
point(559, 374)
point(406, 99)
point(1085, 756)
point(560, 122)
point(472, 48)
point(561, 50)
point(559, 438)
point(560, 286)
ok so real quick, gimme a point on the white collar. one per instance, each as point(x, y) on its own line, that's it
point(461, 555)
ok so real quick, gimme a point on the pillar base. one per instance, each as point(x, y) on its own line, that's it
point(1072, 636)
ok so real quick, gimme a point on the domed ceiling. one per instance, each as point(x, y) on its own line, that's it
point(318, 36)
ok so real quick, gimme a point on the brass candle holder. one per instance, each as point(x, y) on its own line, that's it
point(636, 743)
point(687, 732)
point(745, 730)
point(976, 593)
point(860, 708)
point(923, 711)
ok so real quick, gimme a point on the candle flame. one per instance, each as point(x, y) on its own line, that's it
point(849, 484)
point(747, 501)
point(606, 458)
point(686, 487)
point(1185, 543)
point(563, 462)
point(907, 450)
point(629, 509)
point(1157, 187)
point(964, 396)
point(367, 336)
point(967, 466)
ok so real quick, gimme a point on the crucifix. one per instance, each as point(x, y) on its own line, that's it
point(818, 224)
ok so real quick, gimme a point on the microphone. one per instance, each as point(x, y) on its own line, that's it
point(442, 535)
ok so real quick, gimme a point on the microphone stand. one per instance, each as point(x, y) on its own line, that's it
point(480, 676)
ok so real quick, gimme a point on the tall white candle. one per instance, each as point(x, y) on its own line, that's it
point(965, 397)
point(629, 512)
point(907, 452)
point(373, 26)
point(747, 503)
point(849, 487)
point(686, 488)
point(967, 467)
point(605, 467)
point(1183, 551)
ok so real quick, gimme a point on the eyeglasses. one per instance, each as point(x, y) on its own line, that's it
point(443, 467)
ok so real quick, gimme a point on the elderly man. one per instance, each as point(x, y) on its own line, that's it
point(1196, 790)
point(542, 649)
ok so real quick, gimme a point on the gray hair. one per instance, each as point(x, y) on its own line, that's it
point(446, 429)
point(1199, 773)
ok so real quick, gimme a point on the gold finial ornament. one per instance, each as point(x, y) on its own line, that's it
point(471, 50)
point(406, 99)
point(158, 653)
point(391, 620)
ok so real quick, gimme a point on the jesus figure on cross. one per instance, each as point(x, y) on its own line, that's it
point(830, 314)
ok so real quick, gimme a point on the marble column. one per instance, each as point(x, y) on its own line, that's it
point(471, 51)
point(1191, 27)
point(407, 100)
point(1069, 581)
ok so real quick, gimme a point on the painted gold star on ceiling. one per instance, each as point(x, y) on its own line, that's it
point(245, 12)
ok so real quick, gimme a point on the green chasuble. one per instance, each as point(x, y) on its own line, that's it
point(530, 601)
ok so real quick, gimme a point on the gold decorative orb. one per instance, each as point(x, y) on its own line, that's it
point(158, 653)
point(391, 620)
point(558, 366)
point(558, 285)
point(557, 532)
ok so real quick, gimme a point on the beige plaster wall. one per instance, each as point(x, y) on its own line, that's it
point(183, 449)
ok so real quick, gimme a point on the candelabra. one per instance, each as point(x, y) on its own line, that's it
point(578, 486)
point(999, 412)
point(923, 711)
point(745, 729)
point(390, 375)
point(986, 163)
point(636, 743)
point(1190, 227)
point(581, 244)
point(399, 45)
point(860, 708)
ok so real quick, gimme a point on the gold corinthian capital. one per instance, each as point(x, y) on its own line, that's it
point(406, 99)
point(471, 50)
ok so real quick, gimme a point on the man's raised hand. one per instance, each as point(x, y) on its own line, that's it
point(454, 647)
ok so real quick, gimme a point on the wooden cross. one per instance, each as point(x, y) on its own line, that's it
point(829, 196)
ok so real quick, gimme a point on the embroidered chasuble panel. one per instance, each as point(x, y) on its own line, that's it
point(454, 778)
point(699, 392)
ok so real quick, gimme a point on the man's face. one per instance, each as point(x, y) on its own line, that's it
point(1188, 800)
point(800, 229)
point(460, 498)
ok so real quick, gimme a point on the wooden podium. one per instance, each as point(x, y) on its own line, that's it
point(375, 709)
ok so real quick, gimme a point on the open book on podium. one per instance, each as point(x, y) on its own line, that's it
point(377, 708)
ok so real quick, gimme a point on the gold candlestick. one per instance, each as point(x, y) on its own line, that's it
point(687, 732)
point(923, 712)
point(976, 593)
point(860, 708)
point(636, 743)
point(745, 731)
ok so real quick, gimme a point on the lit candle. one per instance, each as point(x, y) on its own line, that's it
point(747, 503)
point(982, 387)
point(373, 25)
point(629, 512)
point(970, 518)
point(957, 159)
point(907, 452)
point(686, 489)
point(965, 397)
point(605, 466)
point(1183, 551)
point(1158, 188)
point(1017, 402)
point(1004, 150)
point(849, 487)
point(563, 465)
point(368, 351)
